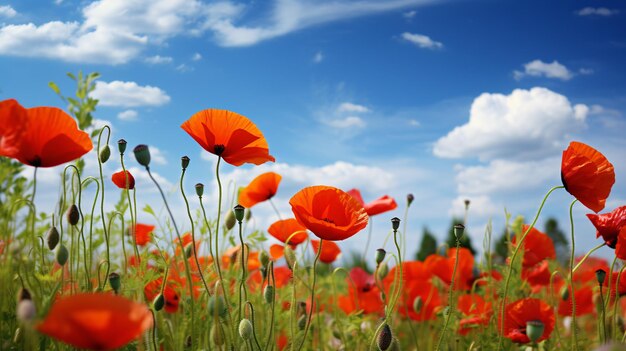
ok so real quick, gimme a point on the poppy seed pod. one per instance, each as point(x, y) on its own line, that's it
point(384, 338)
point(239, 213)
point(62, 255)
point(73, 215)
point(268, 294)
point(121, 146)
point(459, 229)
point(245, 329)
point(104, 154)
point(534, 330)
point(52, 238)
point(409, 199)
point(601, 275)
point(380, 255)
point(395, 223)
point(115, 282)
point(184, 162)
point(199, 189)
point(142, 154)
point(466, 202)
point(159, 302)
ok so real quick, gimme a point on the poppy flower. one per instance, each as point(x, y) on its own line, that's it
point(609, 225)
point(142, 233)
point(228, 135)
point(119, 179)
point(427, 293)
point(537, 247)
point(587, 175)
point(378, 206)
point(586, 272)
point(443, 268)
point(475, 310)
point(48, 136)
point(584, 302)
point(537, 276)
point(277, 251)
point(170, 293)
point(260, 189)
point(286, 228)
point(96, 321)
point(517, 314)
point(330, 213)
point(362, 292)
point(330, 250)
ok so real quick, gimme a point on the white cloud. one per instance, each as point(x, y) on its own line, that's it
point(318, 57)
point(7, 11)
point(409, 14)
point(348, 122)
point(156, 156)
point(157, 59)
point(538, 68)
point(414, 123)
point(597, 11)
point(129, 94)
point(183, 68)
point(128, 115)
point(196, 57)
point(585, 71)
point(480, 206)
point(352, 108)
point(422, 41)
point(525, 124)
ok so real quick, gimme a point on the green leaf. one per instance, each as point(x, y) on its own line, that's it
point(54, 87)
point(149, 210)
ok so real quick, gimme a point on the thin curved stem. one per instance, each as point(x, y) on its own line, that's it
point(450, 297)
point(571, 282)
point(130, 205)
point(308, 321)
point(587, 256)
point(102, 214)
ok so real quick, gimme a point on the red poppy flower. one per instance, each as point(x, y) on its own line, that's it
point(587, 175)
point(427, 293)
point(362, 292)
point(330, 250)
point(330, 213)
point(283, 229)
point(277, 251)
point(96, 321)
point(378, 206)
point(520, 312)
point(228, 135)
point(537, 276)
point(443, 268)
point(476, 312)
point(232, 256)
point(48, 136)
point(260, 189)
point(608, 225)
point(119, 179)
point(586, 272)
point(584, 302)
point(142, 233)
point(172, 298)
point(537, 247)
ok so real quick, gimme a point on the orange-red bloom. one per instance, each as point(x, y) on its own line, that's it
point(228, 135)
point(587, 175)
point(142, 233)
point(261, 188)
point(443, 268)
point(537, 276)
point(96, 321)
point(363, 294)
point(330, 213)
point(378, 206)
point(119, 179)
point(584, 302)
point(476, 312)
point(286, 228)
point(612, 227)
point(520, 312)
point(172, 298)
point(40, 136)
point(330, 250)
point(537, 247)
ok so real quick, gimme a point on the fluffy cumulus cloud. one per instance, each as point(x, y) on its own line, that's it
point(7, 11)
point(129, 94)
point(128, 115)
point(597, 11)
point(422, 41)
point(526, 124)
point(353, 108)
point(538, 68)
point(159, 60)
point(347, 122)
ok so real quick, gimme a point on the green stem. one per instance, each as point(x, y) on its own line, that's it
point(571, 282)
point(243, 254)
point(369, 238)
point(450, 297)
point(603, 320)
point(308, 321)
point(130, 206)
point(508, 276)
point(587, 256)
point(272, 279)
point(102, 214)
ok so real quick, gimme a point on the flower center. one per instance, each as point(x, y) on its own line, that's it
point(328, 220)
point(219, 149)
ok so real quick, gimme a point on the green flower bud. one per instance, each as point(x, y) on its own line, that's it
point(409, 199)
point(188, 250)
point(264, 258)
point(417, 304)
point(104, 154)
point(19, 334)
point(115, 282)
point(159, 302)
point(53, 238)
point(230, 220)
point(248, 214)
point(62, 255)
point(217, 334)
point(384, 338)
point(302, 322)
point(239, 212)
point(534, 330)
point(268, 294)
point(380, 255)
point(142, 155)
point(290, 256)
point(121, 146)
point(245, 329)
point(217, 306)
point(383, 270)
point(73, 215)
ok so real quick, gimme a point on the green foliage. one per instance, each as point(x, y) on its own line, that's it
point(428, 246)
point(82, 105)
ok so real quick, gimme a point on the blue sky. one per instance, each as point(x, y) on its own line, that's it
point(443, 99)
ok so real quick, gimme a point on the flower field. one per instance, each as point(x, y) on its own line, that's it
point(90, 276)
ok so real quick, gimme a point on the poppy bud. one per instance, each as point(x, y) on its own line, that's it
point(384, 338)
point(104, 154)
point(199, 189)
point(142, 155)
point(217, 334)
point(184, 162)
point(409, 199)
point(564, 293)
point(115, 282)
point(290, 256)
point(188, 342)
point(52, 238)
point(336, 334)
point(383, 270)
point(458, 231)
point(26, 311)
point(466, 202)
point(601, 275)
point(121, 146)
point(380, 255)
point(302, 322)
point(230, 220)
point(245, 329)
point(248, 215)
point(534, 330)
point(217, 306)
point(239, 212)
point(73, 215)
point(62, 255)
point(17, 338)
point(268, 294)
point(159, 302)
point(395, 223)
point(417, 304)
point(188, 250)
point(23, 294)
point(264, 258)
